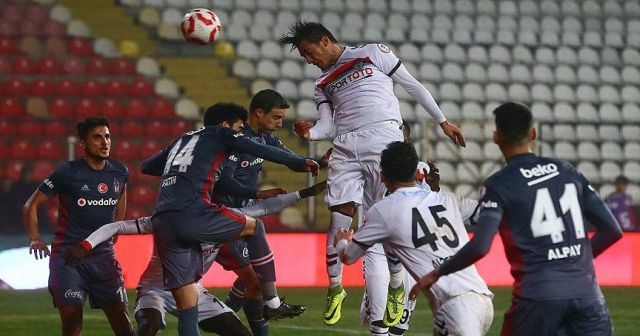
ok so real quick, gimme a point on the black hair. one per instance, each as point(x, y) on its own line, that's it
point(621, 179)
point(406, 131)
point(305, 31)
point(221, 112)
point(513, 122)
point(85, 126)
point(267, 100)
point(398, 162)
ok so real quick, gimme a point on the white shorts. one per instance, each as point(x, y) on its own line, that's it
point(374, 299)
point(469, 314)
point(162, 300)
point(354, 166)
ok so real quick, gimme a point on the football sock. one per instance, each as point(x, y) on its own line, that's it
point(334, 266)
point(395, 280)
point(253, 310)
point(260, 253)
point(188, 322)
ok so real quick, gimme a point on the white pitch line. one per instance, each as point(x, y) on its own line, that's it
point(333, 329)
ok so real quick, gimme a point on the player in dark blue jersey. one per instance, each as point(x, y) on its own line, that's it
point(92, 192)
point(538, 204)
point(185, 216)
point(238, 187)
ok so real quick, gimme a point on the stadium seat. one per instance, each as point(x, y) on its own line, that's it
point(122, 66)
point(167, 88)
point(632, 151)
point(450, 91)
point(454, 53)
point(92, 88)
point(542, 74)
point(630, 132)
point(630, 56)
point(134, 211)
point(142, 195)
point(545, 56)
point(546, 133)
point(11, 108)
point(62, 108)
point(141, 88)
point(157, 129)
point(522, 54)
point(590, 171)
point(136, 109)
point(609, 132)
point(452, 72)
point(30, 128)
point(611, 151)
point(429, 72)
point(162, 108)
point(587, 112)
point(609, 170)
point(519, 92)
point(50, 149)
point(24, 65)
point(56, 129)
point(630, 94)
point(23, 149)
point(287, 88)
point(564, 93)
point(125, 149)
point(74, 66)
point(432, 53)
point(87, 107)
point(564, 150)
point(468, 172)
point(491, 152)
point(520, 73)
point(564, 112)
point(117, 88)
point(43, 87)
point(472, 92)
point(566, 55)
point(609, 113)
point(7, 129)
point(564, 132)
point(498, 73)
point(41, 170)
point(14, 170)
point(586, 93)
point(565, 74)
point(112, 109)
point(150, 147)
point(631, 112)
point(17, 87)
point(631, 170)
point(446, 151)
point(586, 132)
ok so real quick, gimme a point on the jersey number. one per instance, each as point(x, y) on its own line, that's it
point(426, 236)
point(545, 220)
point(181, 157)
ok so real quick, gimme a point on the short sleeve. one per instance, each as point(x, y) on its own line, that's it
point(383, 58)
point(489, 202)
point(374, 230)
point(54, 184)
point(319, 97)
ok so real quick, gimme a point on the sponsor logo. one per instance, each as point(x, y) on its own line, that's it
point(101, 202)
point(245, 252)
point(233, 157)
point(85, 188)
point(168, 181)
point(384, 48)
point(239, 134)
point(102, 188)
point(488, 204)
point(74, 294)
point(48, 183)
point(245, 164)
point(539, 170)
point(359, 73)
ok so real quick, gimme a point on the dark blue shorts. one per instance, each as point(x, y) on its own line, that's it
point(233, 255)
point(102, 281)
point(583, 317)
point(178, 236)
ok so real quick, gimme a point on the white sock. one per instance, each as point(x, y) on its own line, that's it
point(273, 302)
point(395, 280)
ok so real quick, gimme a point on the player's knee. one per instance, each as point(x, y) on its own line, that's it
point(347, 209)
point(149, 322)
point(250, 226)
point(226, 324)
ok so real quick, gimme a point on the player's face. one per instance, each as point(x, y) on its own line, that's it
point(317, 54)
point(238, 126)
point(271, 121)
point(97, 144)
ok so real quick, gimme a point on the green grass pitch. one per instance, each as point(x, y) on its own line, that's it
point(31, 313)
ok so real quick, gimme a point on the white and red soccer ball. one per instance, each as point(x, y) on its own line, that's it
point(200, 26)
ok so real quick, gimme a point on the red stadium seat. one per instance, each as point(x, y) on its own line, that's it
point(42, 170)
point(49, 66)
point(142, 195)
point(136, 212)
point(30, 128)
point(56, 129)
point(11, 108)
point(17, 87)
point(14, 170)
point(62, 108)
point(131, 129)
point(162, 108)
point(7, 44)
point(5, 151)
point(37, 13)
point(125, 149)
point(24, 65)
point(92, 88)
point(8, 29)
point(149, 148)
point(31, 28)
point(157, 129)
point(74, 66)
point(43, 87)
point(7, 129)
point(180, 127)
point(50, 149)
point(142, 88)
point(112, 108)
point(80, 47)
point(67, 87)
point(137, 109)
point(54, 28)
point(87, 107)
point(123, 66)
point(116, 87)
point(55, 46)
point(98, 66)
point(11, 13)
point(23, 149)
point(5, 65)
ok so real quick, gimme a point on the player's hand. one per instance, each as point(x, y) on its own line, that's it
point(324, 160)
point(312, 167)
point(262, 194)
point(454, 133)
point(433, 176)
point(343, 234)
point(39, 249)
point(302, 127)
point(313, 190)
point(424, 283)
point(75, 254)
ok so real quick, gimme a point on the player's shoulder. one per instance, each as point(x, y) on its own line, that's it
point(118, 166)
point(369, 49)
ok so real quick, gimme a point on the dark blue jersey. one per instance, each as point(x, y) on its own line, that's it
point(192, 165)
point(539, 203)
point(88, 200)
point(239, 180)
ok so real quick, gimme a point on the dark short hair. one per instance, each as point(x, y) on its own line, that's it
point(406, 131)
point(621, 179)
point(221, 112)
point(398, 162)
point(513, 122)
point(85, 126)
point(305, 31)
point(267, 100)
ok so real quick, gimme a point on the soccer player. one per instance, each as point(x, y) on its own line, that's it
point(92, 192)
point(238, 187)
point(359, 111)
point(185, 216)
point(621, 205)
point(537, 204)
point(422, 229)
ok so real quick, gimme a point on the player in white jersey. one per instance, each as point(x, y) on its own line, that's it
point(359, 111)
point(422, 229)
point(153, 302)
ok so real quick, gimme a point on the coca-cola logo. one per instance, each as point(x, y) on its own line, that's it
point(74, 294)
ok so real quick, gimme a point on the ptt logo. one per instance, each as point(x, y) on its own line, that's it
point(103, 188)
point(101, 202)
point(539, 170)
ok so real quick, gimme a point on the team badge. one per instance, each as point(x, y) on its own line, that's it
point(103, 188)
point(384, 48)
point(116, 186)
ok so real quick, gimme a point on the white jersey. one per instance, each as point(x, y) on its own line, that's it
point(359, 87)
point(422, 229)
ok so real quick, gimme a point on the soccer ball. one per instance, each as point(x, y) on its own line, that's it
point(200, 26)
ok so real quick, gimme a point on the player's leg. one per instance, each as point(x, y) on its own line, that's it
point(149, 321)
point(215, 317)
point(118, 318)
point(395, 292)
point(149, 312)
point(376, 277)
point(530, 318)
point(467, 314)
point(409, 307)
point(589, 317)
point(106, 291)
point(67, 289)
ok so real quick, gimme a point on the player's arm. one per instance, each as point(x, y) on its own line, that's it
point(608, 231)
point(154, 165)
point(351, 247)
point(239, 142)
point(275, 204)
point(126, 227)
point(121, 207)
point(30, 219)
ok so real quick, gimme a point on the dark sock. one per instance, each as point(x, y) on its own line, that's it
point(253, 309)
point(234, 300)
point(188, 322)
